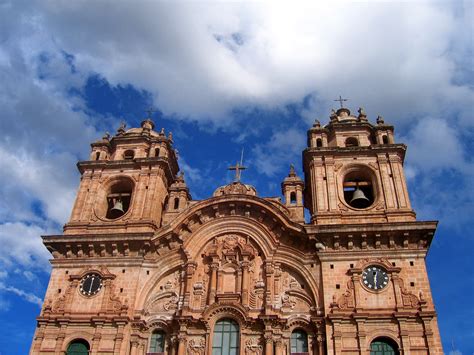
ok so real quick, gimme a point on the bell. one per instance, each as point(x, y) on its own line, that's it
point(359, 200)
point(117, 210)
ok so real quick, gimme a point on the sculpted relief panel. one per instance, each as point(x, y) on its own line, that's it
point(291, 291)
point(229, 268)
point(165, 298)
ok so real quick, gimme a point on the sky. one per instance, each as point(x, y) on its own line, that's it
point(225, 77)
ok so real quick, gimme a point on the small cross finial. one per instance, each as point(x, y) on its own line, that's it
point(238, 167)
point(150, 111)
point(341, 100)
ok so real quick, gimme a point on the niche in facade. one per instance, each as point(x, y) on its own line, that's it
point(352, 142)
point(358, 189)
point(128, 154)
point(118, 198)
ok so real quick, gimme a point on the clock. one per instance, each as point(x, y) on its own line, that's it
point(91, 284)
point(375, 277)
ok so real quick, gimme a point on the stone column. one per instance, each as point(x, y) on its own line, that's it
point(429, 334)
point(60, 338)
point(331, 183)
point(134, 347)
point(213, 283)
point(181, 344)
point(119, 338)
point(268, 344)
point(97, 336)
point(279, 347)
point(38, 339)
point(190, 269)
point(387, 188)
point(245, 282)
point(361, 337)
point(269, 285)
point(399, 181)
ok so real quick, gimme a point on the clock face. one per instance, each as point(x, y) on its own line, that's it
point(375, 277)
point(91, 284)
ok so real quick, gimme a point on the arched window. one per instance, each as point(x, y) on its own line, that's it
point(157, 152)
point(385, 139)
point(97, 155)
point(293, 198)
point(176, 203)
point(352, 142)
point(226, 338)
point(383, 346)
point(319, 142)
point(299, 341)
point(78, 347)
point(157, 342)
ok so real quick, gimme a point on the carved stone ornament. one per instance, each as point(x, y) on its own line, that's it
point(196, 346)
point(253, 346)
point(346, 301)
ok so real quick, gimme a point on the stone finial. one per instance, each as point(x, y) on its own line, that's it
point(380, 120)
point(162, 132)
point(106, 136)
point(170, 137)
point(362, 114)
point(147, 124)
point(180, 177)
point(333, 115)
point(316, 123)
point(121, 129)
point(292, 171)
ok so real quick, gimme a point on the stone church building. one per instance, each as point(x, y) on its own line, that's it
point(142, 268)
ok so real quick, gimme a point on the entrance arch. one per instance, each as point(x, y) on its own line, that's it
point(78, 347)
point(383, 346)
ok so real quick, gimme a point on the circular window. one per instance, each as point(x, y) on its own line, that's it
point(358, 189)
point(91, 284)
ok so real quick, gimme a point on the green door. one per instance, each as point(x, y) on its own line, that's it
point(77, 348)
point(381, 347)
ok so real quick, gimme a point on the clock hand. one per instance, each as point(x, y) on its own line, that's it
point(92, 282)
point(375, 279)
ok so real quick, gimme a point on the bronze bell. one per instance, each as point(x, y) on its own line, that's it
point(117, 210)
point(359, 200)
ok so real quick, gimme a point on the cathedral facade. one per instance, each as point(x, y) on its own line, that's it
point(142, 268)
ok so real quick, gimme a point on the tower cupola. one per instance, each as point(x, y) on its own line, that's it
point(292, 188)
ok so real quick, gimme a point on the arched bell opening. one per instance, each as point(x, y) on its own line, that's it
point(118, 198)
point(78, 347)
point(293, 198)
point(358, 189)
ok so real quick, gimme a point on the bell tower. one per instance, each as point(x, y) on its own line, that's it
point(354, 172)
point(125, 183)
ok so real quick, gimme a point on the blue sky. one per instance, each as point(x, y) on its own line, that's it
point(225, 77)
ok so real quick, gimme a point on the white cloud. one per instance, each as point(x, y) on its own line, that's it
point(283, 147)
point(434, 144)
point(27, 296)
point(201, 60)
point(22, 245)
